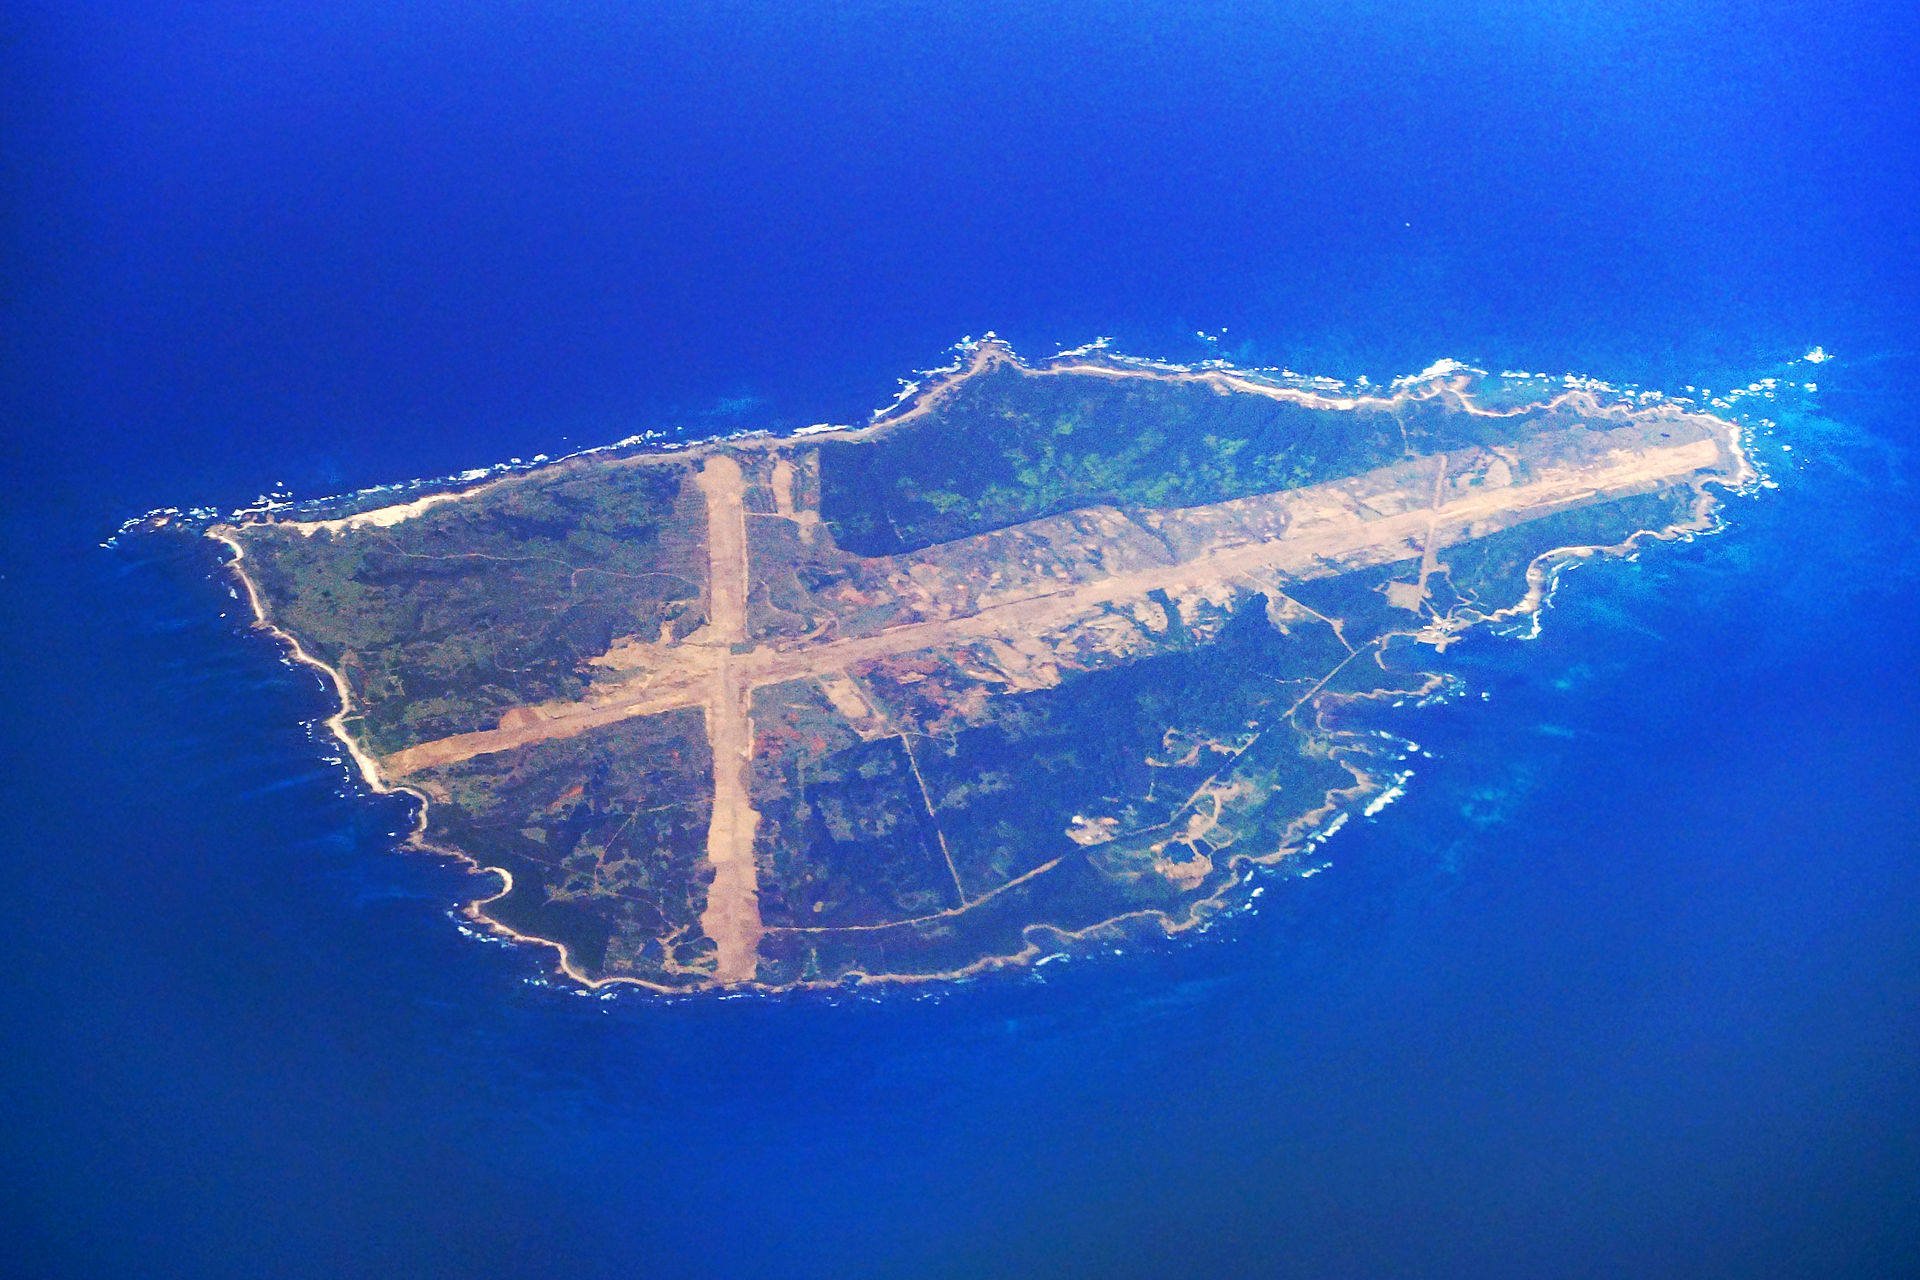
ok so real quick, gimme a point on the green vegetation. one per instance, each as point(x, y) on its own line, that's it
point(603, 834)
point(1009, 447)
point(1490, 573)
point(1028, 729)
point(441, 622)
point(1130, 745)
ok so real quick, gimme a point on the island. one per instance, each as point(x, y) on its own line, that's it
point(1047, 654)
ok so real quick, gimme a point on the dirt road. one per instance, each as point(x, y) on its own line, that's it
point(1329, 537)
point(732, 915)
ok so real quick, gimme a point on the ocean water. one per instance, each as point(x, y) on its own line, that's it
point(1629, 981)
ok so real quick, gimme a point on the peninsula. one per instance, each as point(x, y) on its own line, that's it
point(1048, 652)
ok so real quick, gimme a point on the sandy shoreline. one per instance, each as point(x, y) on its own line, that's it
point(369, 772)
point(1308, 553)
point(987, 355)
point(1444, 379)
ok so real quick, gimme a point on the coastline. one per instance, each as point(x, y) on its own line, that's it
point(1441, 380)
point(370, 774)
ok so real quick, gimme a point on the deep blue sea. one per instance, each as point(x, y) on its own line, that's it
point(1627, 985)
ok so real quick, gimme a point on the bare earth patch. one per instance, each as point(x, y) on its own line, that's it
point(943, 759)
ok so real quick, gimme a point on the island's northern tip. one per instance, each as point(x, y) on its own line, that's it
point(1044, 653)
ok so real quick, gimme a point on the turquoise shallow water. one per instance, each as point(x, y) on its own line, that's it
point(1625, 984)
